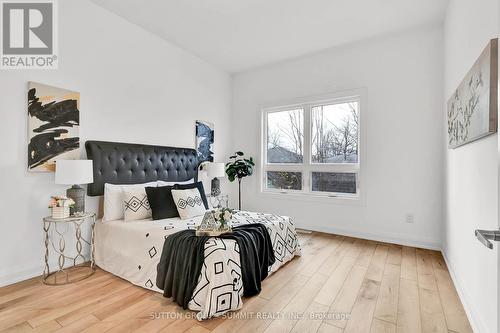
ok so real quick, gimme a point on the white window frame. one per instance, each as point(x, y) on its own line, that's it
point(307, 167)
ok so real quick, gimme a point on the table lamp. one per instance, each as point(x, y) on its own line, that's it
point(75, 172)
point(215, 170)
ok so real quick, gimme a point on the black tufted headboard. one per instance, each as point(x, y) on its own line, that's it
point(129, 163)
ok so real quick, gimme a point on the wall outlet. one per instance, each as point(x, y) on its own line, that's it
point(409, 218)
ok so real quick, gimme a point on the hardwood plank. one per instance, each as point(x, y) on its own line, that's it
point(119, 304)
point(376, 268)
point(333, 260)
point(311, 322)
point(79, 325)
point(409, 264)
point(347, 297)
point(456, 318)
point(137, 318)
point(387, 302)
point(101, 326)
point(365, 257)
point(275, 305)
point(395, 255)
point(408, 307)
point(326, 328)
point(346, 246)
point(438, 261)
point(48, 297)
point(159, 318)
point(380, 326)
point(431, 312)
point(48, 327)
point(327, 294)
point(178, 326)
point(427, 281)
point(317, 260)
point(82, 299)
point(21, 327)
point(298, 304)
point(100, 303)
point(277, 280)
point(136, 308)
point(355, 248)
point(197, 329)
point(364, 307)
point(424, 262)
point(230, 326)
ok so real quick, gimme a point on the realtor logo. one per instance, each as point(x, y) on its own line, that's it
point(28, 36)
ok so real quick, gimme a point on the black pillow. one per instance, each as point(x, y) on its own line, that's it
point(198, 185)
point(161, 202)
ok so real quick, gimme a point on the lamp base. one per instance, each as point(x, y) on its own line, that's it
point(77, 193)
point(215, 190)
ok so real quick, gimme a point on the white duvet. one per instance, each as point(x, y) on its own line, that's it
point(132, 250)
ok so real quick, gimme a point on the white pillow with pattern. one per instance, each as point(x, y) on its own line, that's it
point(113, 199)
point(135, 205)
point(188, 203)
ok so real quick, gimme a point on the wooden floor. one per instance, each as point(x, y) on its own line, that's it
point(339, 284)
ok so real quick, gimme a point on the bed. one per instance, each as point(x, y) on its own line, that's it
point(132, 250)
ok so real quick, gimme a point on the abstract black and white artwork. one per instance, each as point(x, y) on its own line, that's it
point(53, 125)
point(472, 110)
point(205, 141)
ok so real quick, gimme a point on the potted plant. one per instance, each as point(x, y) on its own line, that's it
point(239, 167)
point(60, 206)
point(223, 216)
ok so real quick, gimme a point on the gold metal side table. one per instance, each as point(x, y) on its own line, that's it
point(219, 201)
point(55, 231)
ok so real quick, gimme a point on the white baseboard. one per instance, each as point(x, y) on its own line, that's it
point(19, 274)
point(476, 324)
point(380, 237)
point(25, 272)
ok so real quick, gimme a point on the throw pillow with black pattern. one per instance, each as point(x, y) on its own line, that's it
point(189, 203)
point(136, 205)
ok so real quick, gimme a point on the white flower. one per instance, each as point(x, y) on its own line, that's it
point(227, 215)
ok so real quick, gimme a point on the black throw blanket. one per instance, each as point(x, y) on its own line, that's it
point(183, 254)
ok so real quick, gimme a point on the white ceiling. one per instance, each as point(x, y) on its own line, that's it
point(236, 35)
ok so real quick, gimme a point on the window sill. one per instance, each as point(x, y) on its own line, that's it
point(351, 200)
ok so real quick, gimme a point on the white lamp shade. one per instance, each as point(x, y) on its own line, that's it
point(70, 172)
point(216, 170)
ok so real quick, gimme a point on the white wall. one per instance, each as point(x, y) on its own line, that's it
point(402, 75)
point(134, 87)
point(471, 172)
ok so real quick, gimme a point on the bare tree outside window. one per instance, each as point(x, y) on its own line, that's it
point(333, 140)
point(335, 133)
point(285, 136)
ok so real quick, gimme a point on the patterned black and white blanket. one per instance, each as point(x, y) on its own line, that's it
point(220, 287)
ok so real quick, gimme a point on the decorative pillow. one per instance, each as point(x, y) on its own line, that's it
point(135, 205)
point(113, 199)
point(188, 202)
point(161, 202)
point(199, 186)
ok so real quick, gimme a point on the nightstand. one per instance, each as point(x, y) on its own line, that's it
point(55, 233)
point(221, 200)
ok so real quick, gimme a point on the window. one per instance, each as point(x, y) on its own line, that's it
point(313, 148)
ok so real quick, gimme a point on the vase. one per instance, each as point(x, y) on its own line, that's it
point(60, 212)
